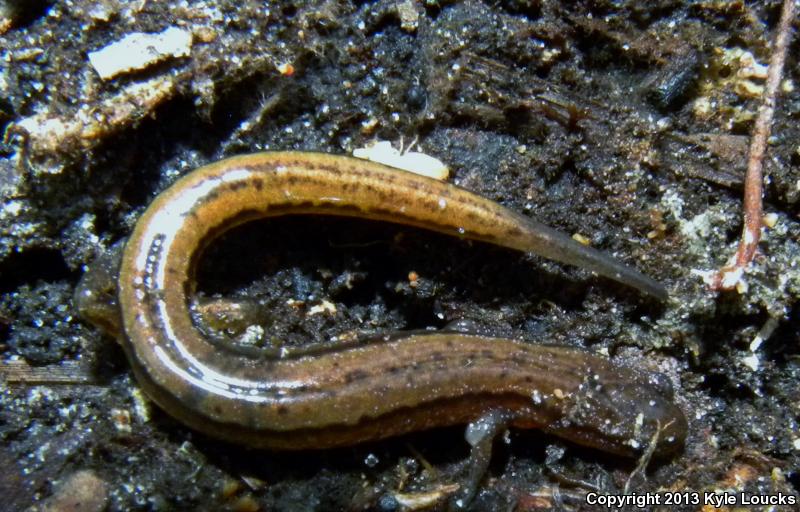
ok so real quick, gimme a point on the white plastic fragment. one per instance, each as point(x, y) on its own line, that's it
point(382, 152)
point(139, 50)
point(751, 361)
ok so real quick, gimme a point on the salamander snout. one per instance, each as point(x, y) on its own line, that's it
point(655, 417)
point(95, 298)
point(625, 417)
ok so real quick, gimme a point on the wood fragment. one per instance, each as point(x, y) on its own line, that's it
point(713, 157)
point(65, 373)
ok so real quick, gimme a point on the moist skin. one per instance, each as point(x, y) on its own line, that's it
point(312, 398)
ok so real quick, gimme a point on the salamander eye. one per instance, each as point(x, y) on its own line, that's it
point(463, 326)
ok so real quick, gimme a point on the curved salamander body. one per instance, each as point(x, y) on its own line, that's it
point(405, 382)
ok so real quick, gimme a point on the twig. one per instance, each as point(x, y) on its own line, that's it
point(644, 460)
point(729, 276)
point(64, 373)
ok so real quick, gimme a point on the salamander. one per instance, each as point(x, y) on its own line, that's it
point(353, 392)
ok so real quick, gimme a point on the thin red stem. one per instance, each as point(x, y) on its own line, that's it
point(727, 277)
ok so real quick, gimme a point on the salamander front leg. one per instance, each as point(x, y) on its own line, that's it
point(480, 434)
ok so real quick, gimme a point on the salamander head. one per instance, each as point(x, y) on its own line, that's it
point(625, 417)
point(95, 297)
